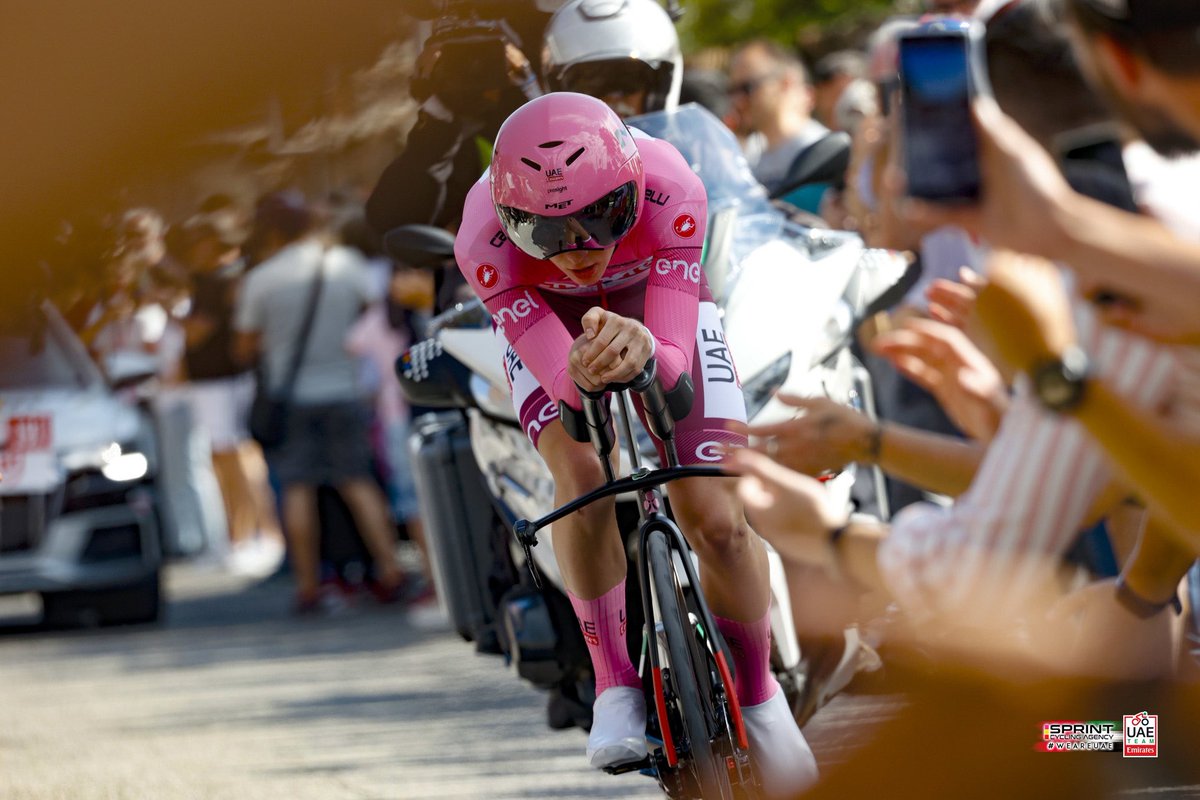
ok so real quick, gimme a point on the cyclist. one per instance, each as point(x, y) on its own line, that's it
point(584, 242)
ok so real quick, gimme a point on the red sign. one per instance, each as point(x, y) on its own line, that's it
point(488, 275)
point(685, 226)
point(27, 434)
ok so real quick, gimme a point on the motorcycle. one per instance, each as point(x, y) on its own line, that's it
point(476, 471)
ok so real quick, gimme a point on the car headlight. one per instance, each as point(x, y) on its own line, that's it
point(759, 389)
point(114, 462)
point(126, 467)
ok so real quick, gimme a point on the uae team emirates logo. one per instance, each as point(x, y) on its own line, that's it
point(487, 275)
point(685, 226)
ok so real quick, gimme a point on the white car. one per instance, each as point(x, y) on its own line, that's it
point(78, 519)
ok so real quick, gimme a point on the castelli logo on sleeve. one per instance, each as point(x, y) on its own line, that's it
point(487, 275)
point(685, 226)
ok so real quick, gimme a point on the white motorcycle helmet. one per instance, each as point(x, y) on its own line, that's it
point(606, 47)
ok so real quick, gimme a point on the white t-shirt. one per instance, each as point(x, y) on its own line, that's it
point(273, 302)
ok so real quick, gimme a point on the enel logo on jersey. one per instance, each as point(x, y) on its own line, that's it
point(522, 308)
point(689, 271)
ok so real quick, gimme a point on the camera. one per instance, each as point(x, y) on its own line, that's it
point(464, 56)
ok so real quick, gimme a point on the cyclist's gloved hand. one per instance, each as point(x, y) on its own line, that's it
point(613, 349)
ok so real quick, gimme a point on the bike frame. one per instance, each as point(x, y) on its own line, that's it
point(647, 485)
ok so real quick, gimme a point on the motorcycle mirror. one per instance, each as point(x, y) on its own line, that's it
point(896, 292)
point(419, 245)
point(824, 161)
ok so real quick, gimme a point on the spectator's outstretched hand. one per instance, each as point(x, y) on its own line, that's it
point(1024, 311)
point(951, 302)
point(791, 511)
point(1023, 191)
point(824, 436)
point(943, 361)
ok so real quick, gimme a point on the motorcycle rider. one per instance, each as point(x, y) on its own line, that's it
point(625, 53)
point(584, 243)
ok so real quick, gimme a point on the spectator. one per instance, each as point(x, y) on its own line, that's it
point(326, 441)
point(989, 552)
point(220, 389)
point(380, 337)
point(769, 91)
point(1146, 63)
point(833, 75)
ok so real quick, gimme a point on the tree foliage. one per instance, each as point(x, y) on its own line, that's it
point(718, 23)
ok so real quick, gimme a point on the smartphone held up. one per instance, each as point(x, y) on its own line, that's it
point(941, 72)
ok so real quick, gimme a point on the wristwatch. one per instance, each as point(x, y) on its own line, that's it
point(1059, 383)
point(1139, 606)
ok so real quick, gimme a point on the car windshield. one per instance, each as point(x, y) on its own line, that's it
point(36, 362)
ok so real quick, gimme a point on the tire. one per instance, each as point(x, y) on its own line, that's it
point(688, 672)
point(137, 603)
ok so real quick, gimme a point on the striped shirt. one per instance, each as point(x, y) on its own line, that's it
point(1031, 495)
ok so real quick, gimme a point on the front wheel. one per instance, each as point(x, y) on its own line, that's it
point(684, 679)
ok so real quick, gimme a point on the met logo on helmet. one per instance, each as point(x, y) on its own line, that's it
point(559, 206)
point(684, 226)
point(520, 309)
point(487, 275)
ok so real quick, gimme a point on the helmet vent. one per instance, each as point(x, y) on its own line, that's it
point(571, 158)
point(550, 145)
point(536, 166)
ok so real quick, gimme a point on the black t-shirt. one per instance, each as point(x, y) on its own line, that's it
point(213, 298)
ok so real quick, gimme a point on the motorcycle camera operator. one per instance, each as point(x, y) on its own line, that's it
point(472, 72)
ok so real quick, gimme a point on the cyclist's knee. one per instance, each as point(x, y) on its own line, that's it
point(718, 539)
point(713, 521)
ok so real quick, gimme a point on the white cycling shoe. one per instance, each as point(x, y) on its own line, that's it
point(618, 727)
point(785, 761)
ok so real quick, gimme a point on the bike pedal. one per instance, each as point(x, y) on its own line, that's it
point(630, 766)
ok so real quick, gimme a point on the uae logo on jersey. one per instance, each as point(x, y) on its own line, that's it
point(488, 275)
point(685, 226)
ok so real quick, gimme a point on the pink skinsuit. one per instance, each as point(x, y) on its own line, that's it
point(654, 276)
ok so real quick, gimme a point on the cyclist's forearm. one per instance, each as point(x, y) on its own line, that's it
point(1163, 469)
point(1134, 255)
point(930, 461)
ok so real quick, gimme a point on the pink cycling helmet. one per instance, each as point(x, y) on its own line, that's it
point(566, 175)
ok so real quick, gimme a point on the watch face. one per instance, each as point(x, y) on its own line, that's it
point(1056, 390)
point(1059, 384)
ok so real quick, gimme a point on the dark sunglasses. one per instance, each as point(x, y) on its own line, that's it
point(749, 87)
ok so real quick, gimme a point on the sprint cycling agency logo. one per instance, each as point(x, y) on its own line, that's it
point(685, 226)
point(1135, 737)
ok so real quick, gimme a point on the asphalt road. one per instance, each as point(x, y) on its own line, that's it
point(233, 698)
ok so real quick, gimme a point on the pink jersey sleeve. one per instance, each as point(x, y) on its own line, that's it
point(676, 210)
point(506, 280)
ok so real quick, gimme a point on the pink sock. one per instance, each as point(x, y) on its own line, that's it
point(603, 624)
point(750, 643)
